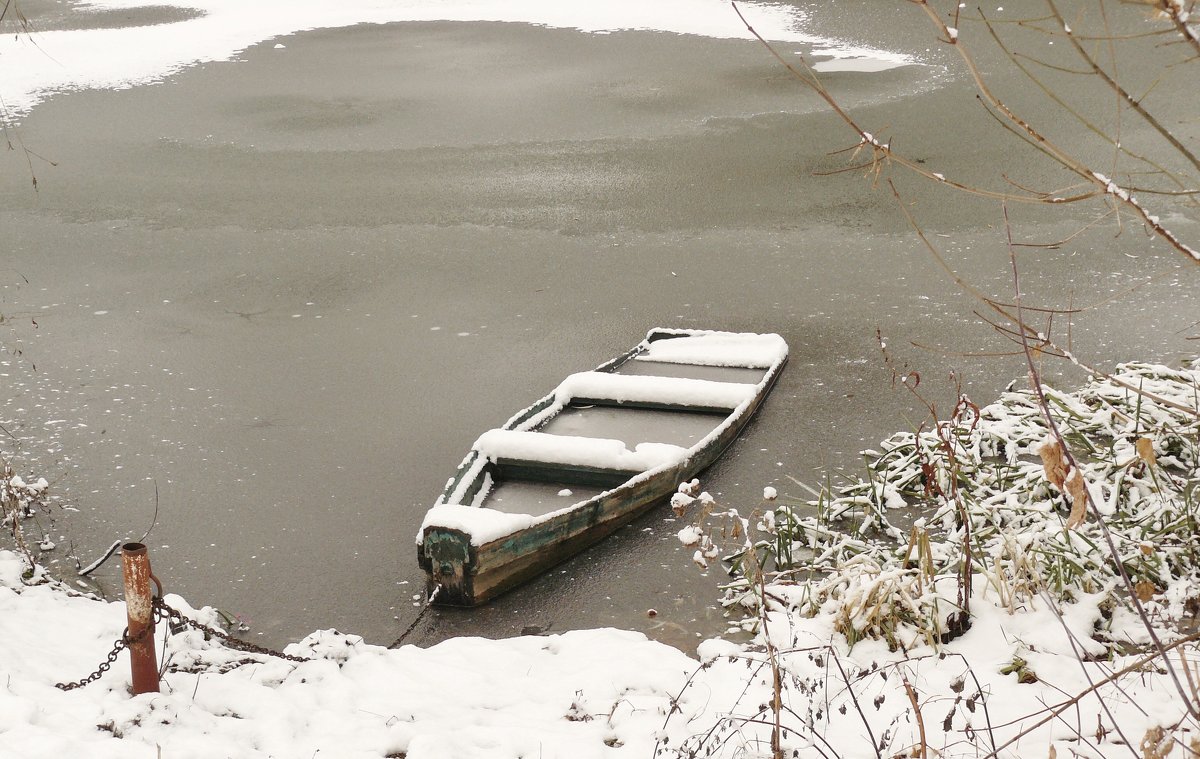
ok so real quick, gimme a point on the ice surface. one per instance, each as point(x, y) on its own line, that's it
point(536, 498)
point(633, 425)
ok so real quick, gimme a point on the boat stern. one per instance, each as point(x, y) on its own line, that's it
point(447, 558)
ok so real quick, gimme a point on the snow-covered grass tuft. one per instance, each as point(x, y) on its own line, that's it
point(957, 600)
point(21, 501)
point(989, 491)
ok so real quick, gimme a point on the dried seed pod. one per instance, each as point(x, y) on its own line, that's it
point(1053, 463)
point(1077, 492)
point(1145, 450)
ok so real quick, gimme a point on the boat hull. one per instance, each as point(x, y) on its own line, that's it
point(467, 571)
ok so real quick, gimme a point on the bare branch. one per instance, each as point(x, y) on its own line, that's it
point(1124, 95)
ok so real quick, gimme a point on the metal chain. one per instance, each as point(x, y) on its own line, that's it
point(119, 645)
point(177, 622)
point(428, 602)
point(161, 610)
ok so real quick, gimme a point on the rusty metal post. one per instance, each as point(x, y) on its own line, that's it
point(139, 607)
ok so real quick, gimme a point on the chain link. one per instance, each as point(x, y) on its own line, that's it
point(163, 610)
point(176, 624)
point(420, 615)
point(119, 645)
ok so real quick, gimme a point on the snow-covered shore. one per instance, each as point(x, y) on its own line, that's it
point(584, 693)
point(589, 693)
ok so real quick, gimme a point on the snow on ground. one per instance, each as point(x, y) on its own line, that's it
point(579, 694)
point(42, 63)
point(593, 693)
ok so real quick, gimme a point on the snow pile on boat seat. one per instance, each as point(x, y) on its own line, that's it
point(673, 391)
point(483, 525)
point(567, 450)
point(745, 349)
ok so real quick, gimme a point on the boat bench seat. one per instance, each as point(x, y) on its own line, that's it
point(679, 393)
point(744, 349)
point(570, 452)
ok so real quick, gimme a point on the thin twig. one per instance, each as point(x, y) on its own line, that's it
point(916, 706)
point(1062, 707)
point(154, 519)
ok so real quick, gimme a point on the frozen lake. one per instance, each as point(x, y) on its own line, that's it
point(290, 290)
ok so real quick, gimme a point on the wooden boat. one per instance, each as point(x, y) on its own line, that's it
point(592, 455)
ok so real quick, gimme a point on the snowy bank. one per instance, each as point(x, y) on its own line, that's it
point(594, 693)
point(579, 694)
point(985, 600)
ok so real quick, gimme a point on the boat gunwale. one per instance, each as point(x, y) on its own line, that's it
point(476, 464)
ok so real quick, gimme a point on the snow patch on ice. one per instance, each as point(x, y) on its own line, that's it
point(46, 62)
point(689, 535)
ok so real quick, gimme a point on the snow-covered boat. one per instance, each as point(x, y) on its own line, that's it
point(586, 459)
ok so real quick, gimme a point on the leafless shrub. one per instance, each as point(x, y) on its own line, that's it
point(21, 501)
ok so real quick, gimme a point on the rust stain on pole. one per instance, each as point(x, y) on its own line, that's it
point(140, 610)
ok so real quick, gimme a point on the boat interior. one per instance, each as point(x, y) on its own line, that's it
point(537, 488)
